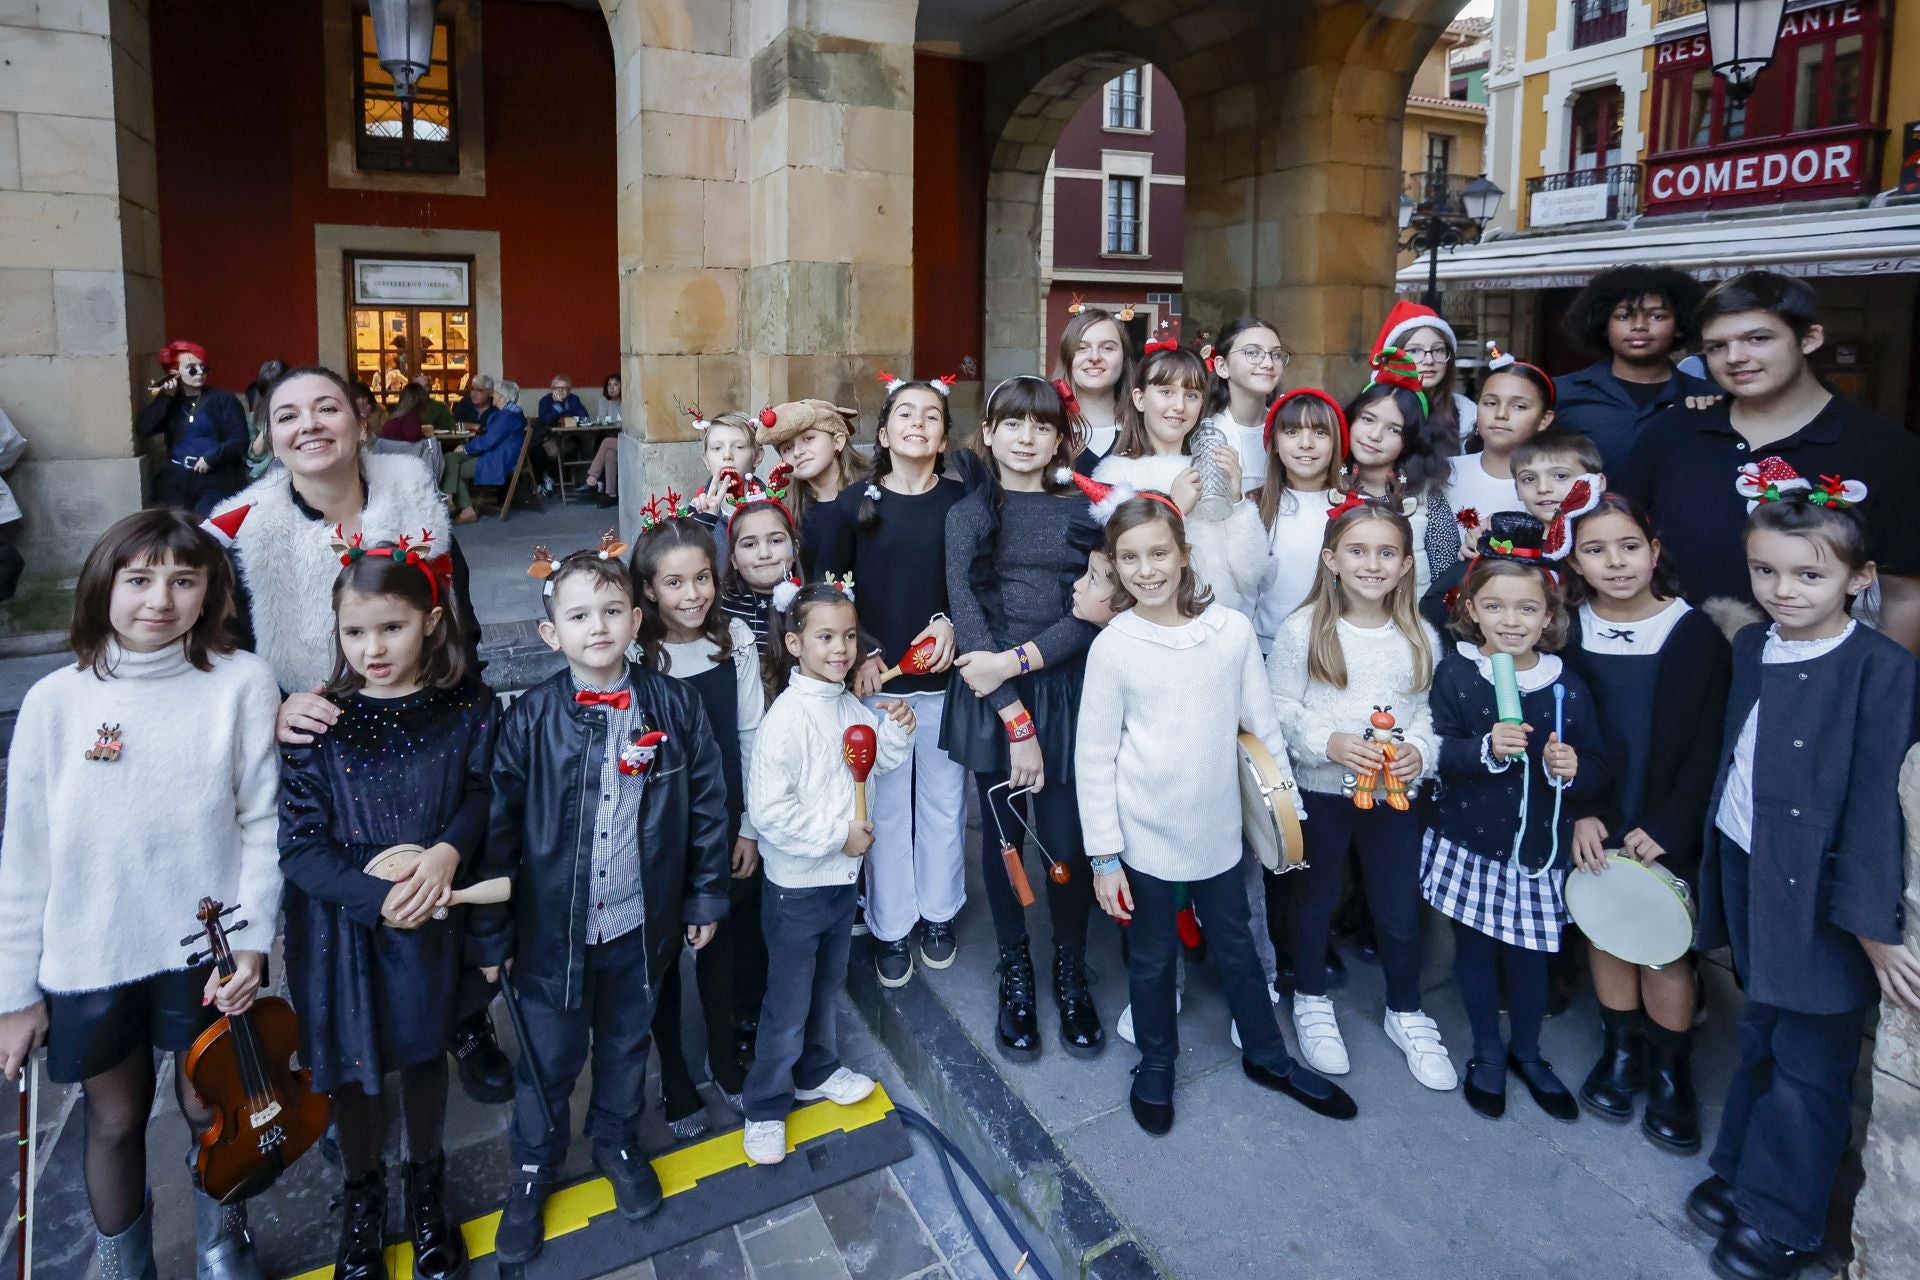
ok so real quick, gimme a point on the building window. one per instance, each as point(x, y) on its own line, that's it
point(1594, 136)
point(1126, 100)
point(395, 136)
point(390, 340)
point(1595, 21)
point(1439, 153)
point(1123, 215)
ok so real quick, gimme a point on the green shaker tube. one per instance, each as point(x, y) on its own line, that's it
point(1506, 689)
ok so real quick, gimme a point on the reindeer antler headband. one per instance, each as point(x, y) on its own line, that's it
point(404, 550)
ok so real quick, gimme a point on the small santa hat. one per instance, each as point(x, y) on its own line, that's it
point(1583, 495)
point(1404, 319)
point(1773, 478)
point(1106, 498)
point(225, 527)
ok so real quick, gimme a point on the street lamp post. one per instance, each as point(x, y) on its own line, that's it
point(403, 38)
point(1741, 35)
point(1434, 223)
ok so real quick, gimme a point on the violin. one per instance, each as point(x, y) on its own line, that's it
point(265, 1112)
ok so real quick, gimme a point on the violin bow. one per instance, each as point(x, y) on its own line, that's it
point(29, 1126)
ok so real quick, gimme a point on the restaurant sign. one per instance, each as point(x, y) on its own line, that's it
point(1788, 171)
point(409, 282)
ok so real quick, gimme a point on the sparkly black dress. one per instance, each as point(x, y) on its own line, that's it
point(410, 770)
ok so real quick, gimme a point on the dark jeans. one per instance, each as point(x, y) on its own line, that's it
point(1222, 903)
point(613, 1020)
point(732, 975)
point(1789, 1109)
point(1387, 844)
point(808, 933)
point(1056, 819)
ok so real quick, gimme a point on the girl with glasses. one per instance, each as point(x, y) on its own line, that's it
point(1246, 367)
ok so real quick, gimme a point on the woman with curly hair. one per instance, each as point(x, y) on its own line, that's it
point(1641, 318)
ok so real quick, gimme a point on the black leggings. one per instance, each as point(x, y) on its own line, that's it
point(118, 1101)
point(731, 972)
point(1387, 844)
point(1055, 814)
point(360, 1119)
point(1477, 963)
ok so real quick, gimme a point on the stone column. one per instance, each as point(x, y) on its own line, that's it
point(1886, 1229)
point(80, 305)
point(829, 295)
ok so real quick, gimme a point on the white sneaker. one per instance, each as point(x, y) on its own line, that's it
point(1416, 1036)
point(1233, 1028)
point(765, 1141)
point(843, 1086)
point(1320, 1042)
point(1124, 1028)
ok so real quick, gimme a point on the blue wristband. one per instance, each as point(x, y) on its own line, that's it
point(1105, 866)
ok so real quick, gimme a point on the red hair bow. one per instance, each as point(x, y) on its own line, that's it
point(1166, 344)
point(1067, 398)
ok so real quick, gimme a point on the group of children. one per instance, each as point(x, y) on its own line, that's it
point(1053, 612)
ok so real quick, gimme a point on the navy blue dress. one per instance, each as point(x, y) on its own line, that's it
point(410, 770)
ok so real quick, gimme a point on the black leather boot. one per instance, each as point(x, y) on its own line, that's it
point(1673, 1112)
point(1080, 1033)
point(1018, 1027)
point(439, 1250)
point(486, 1073)
point(1620, 1072)
point(363, 1229)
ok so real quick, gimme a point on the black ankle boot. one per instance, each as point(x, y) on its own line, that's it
point(1620, 1072)
point(1673, 1113)
point(486, 1073)
point(363, 1229)
point(439, 1250)
point(1018, 1027)
point(1080, 1032)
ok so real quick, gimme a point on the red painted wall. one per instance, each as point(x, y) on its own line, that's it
point(1086, 135)
point(949, 214)
point(239, 113)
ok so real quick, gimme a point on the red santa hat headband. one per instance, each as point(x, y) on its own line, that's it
point(1774, 480)
point(1307, 393)
point(1405, 319)
point(1106, 498)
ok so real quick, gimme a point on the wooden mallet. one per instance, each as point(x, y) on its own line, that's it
point(394, 863)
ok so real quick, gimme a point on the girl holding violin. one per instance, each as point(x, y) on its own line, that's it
point(142, 778)
point(373, 961)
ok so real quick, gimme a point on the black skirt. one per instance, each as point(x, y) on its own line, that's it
point(90, 1031)
point(972, 733)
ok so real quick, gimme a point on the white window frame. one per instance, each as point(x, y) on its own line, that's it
point(1146, 103)
point(1137, 165)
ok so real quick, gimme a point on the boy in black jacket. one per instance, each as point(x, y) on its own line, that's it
point(609, 813)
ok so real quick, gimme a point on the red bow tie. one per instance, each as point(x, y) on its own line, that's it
point(619, 698)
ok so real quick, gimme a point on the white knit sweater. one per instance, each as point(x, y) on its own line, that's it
point(1155, 762)
point(799, 790)
point(1229, 556)
point(1379, 674)
point(104, 862)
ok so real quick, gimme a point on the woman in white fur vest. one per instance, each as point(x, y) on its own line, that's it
point(280, 530)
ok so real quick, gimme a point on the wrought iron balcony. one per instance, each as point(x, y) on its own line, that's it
point(1590, 195)
point(1439, 192)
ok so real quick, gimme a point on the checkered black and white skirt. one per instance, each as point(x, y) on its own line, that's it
point(1493, 897)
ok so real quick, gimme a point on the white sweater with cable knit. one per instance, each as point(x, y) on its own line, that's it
point(1379, 674)
point(104, 862)
point(1155, 761)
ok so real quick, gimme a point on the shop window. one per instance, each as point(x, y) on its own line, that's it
point(1123, 214)
point(1126, 100)
point(404, 136)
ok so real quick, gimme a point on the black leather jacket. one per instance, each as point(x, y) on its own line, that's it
point(546, 780)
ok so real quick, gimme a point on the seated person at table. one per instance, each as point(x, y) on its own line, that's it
point(559, 404)
point(473, 410)
point(404, 425)
point(434, 414)
point(489, 457)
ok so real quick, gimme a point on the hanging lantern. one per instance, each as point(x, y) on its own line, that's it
point(403, 38)
point(1741, 35)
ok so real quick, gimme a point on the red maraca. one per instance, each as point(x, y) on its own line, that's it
point(916, 661)
point(858, 744)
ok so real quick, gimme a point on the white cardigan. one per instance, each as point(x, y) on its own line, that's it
point(1155, 762)
point(799, 789)
point(1229, 556)
point(1379, 674)
point(104, 862)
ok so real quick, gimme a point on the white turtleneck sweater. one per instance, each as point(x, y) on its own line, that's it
point(105, 862)
point(1379, 674)
point(800, 791)
point(1155, 761)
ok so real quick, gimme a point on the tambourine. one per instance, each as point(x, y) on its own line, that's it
point(1266, 809)
point(1637, 913)
point(393, 864)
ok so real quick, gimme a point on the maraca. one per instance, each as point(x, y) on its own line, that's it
point(858, 744)
point(916, 661)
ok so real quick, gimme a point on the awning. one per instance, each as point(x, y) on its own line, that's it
point(1852, 242)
